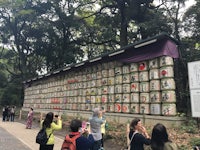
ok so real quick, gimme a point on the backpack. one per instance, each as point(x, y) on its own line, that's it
point(42, 137)
point(70, 143)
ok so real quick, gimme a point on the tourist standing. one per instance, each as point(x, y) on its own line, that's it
point(139, 135)
point(50, 127)
point(12, 114)
point(160, 140)
point(29, 119)
point(95, 127)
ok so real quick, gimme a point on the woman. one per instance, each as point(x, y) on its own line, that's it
point(95, 127)
point(29, 119)
point(159, 139)
point(140, 135)
point(50, 126)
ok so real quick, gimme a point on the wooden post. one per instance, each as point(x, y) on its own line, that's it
point(20, 114)
point(127, 133)
point(41, 116)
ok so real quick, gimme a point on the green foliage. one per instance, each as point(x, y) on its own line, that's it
point(190, 126)
point(194, 141)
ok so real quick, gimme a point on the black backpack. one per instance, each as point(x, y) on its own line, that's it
point(41, 137)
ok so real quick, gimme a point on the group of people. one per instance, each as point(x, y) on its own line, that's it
point(90, 137)
point(159, 139)
point(8, 113)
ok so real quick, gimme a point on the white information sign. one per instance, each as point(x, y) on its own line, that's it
point(195, 102)
point(194, 83)
point(194, 74)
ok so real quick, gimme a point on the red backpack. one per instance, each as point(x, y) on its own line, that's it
point(70, 143)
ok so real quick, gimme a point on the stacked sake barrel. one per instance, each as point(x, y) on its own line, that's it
point(162, 86)
point(145, 87)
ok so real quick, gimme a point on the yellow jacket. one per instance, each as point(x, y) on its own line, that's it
point(49, 131)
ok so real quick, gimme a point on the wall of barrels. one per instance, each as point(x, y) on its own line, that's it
point(146, 87)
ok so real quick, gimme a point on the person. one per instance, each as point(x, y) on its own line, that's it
point(12, 114)
point(4, 114)
point(140, 135)
point(159, 139)
point(8, 113)
point(29, 119)
point(103, 126)
point(50, 127)
point(85, 140)
point(95, 127)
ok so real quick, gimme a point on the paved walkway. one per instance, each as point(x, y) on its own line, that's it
point(13, 135)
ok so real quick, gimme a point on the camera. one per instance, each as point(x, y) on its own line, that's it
point(56, 116)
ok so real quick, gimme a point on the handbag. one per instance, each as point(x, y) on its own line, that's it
point(129, 145)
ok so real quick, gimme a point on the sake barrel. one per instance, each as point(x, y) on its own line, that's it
point(84, 77)
point(126, 108)
point(144, 98)
point(118, 70)
point(93, 99)
point(144, 108)
point(118, 88)
point(104, 90)
point(110, 107)
point(118, 79)
point(99, 91)
point(93, 91)
point(168, 109)
point(111, 98)
point(166, 61)
point(87, 91)
point(88, 84)
point(79, 99)
point(133, 67)
point(167, 84)
point(74, 106)
point(135, 87)
point(167, 71)
point(111, 80)
point(104, 106)
point(93, 83)
point(98, 99)
point(125, 69)
point(99, 75)
point(126, 98)
point(118, 98)
point(118, 107)
point(142, 66)
point(111, 72)
point(144, 86)
point(134, 108)
point(104, 98)
point(126, 78)
point(155, 97)
point(87, 99)
point(134, 76)
point(155, 109)
point(104, 81)
point(105, 65)
point(111, 89)
point(92, 106)
point(143, 76)
point(155, 85)
point(154, 74)
point(126, 88)
point(168, 96)
point(153, 63)
point(134, 98)
point(104, 73)
point(88, 77)
point(87, 107)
